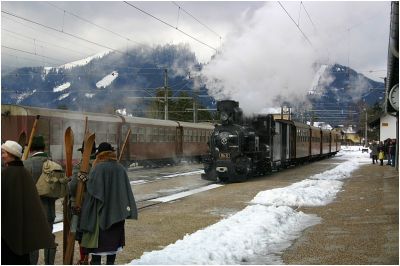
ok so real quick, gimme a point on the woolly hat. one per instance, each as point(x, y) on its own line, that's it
point(38, 143)
point(13, 148)
point(104, 146)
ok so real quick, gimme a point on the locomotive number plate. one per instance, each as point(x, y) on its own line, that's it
point(224, 155)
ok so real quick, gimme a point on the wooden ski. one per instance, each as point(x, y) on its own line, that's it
point(123, 146)
point(69, 146)
point(26, 151)
point(83, 172)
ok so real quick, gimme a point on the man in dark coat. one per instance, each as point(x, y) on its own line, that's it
point(24, 227)
point(108, 202)
point(34, 165)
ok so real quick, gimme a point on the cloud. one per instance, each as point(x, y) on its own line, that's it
point(267, 60)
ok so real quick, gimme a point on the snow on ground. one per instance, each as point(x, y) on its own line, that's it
point(84, 61)
point(65, 95)
point(62, 87)
point(265, 228)
point(107, 80)
point(23, 96)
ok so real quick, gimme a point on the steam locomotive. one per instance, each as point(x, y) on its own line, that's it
point(240, 148)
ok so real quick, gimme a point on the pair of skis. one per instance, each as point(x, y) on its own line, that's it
point(70, 227)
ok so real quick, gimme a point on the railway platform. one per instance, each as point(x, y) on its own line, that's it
point(360, 227)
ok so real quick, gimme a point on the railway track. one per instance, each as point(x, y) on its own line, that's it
point(155, 186)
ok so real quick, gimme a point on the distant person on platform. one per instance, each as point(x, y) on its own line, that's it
point(34, 165)
point(392, 152)
point(374, 152)
point(381, 152)
point(24, 226)
point(108, 202)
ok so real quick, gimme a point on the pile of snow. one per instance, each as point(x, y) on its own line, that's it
point(261, 231)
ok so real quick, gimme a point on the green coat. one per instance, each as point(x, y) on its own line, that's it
point(109, 197)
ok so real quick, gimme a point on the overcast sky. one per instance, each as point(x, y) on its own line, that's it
point(258, 44)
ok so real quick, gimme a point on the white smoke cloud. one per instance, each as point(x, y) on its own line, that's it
point(267, 60)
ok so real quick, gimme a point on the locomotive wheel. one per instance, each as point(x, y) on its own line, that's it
point(223, 179)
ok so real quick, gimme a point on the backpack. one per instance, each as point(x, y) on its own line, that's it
point(53, 182)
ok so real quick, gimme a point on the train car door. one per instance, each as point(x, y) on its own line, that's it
point(179, 141)
point(292, 142)
point(285, 141)
point(276, 143)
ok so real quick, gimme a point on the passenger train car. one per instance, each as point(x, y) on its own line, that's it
point(241, 148)
point(151, 142)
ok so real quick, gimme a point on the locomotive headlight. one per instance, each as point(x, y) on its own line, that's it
point(224, 116)
point(224, 137)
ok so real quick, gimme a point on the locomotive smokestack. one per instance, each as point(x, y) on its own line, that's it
point(230, 112)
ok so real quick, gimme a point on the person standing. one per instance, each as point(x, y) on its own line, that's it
point(374, 152)
point(392, 152)
point(381, 152)
point(72, 187)
point(34, 165)
point(108, 202)
point(24, 226)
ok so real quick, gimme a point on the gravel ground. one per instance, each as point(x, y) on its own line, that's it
point(360, 227)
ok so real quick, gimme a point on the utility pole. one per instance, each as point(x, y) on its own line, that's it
point(165, 94)
point(366, 127)
point(194, 108)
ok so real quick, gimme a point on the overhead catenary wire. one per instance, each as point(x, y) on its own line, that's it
point(36, 54)
point(94, 24)
point(304, 35)
point(45, 31)
point(69, 34)
point(169, 25)
point(181, 8)
point(308, 15)
point(60, 31)
point(52, 44)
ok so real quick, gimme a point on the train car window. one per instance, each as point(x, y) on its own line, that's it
point(112, 128)
point(101, 137)
point(134, 137)
point(277, 129)
point(141, 138)
point(55, 133)
point(148, 134)
point(112, 138)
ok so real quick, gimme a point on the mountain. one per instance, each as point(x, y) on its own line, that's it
point(339, 95)
point(111, 81)
point(105, 82)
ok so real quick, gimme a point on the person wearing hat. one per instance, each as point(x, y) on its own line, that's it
point(24, 226)
point(72, 187)
point(34, 165)
point(108, 202)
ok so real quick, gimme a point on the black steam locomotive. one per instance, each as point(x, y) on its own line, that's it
point(240, 147)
